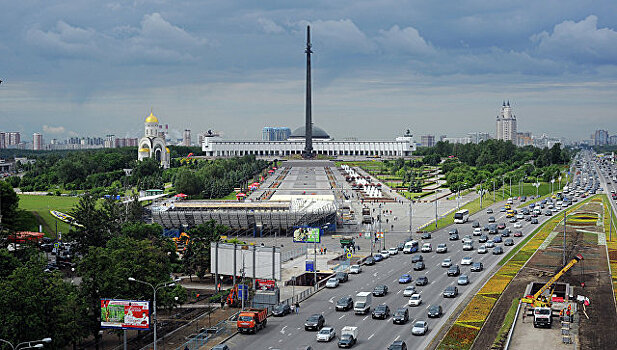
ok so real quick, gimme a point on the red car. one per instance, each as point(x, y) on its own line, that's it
point(518, 234)
point(501, 226)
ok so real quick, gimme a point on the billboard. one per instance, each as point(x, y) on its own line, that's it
point(125, 314)
point(256, 261)
point(307, 234)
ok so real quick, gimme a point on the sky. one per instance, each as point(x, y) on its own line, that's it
point(380, 67)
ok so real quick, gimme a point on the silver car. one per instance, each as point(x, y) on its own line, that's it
point(409, 291)
point(355, 269)
point(326, 334)
point(419, 328)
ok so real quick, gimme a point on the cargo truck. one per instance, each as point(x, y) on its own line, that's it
point(252, 320)
point(362, 304)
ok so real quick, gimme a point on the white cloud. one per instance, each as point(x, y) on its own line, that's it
point(268, 26)
point(407, 40)
point(65, 39)
point(582, 42)
point(339, 35)
point(53, 129)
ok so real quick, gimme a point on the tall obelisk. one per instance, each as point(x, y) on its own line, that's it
point(308, 145)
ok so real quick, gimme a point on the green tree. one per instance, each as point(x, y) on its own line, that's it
point(188, 182)
point(196, 259)
point(8, 205)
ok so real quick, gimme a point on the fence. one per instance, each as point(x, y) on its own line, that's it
point(202, 337)
point(292, 254)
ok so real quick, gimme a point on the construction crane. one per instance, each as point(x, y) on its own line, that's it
point(539, 300)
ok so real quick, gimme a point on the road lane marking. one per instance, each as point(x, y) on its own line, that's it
point(369, 338)
point(283, 330)
point(398, 336)
point(365, 317)
point(341, 317)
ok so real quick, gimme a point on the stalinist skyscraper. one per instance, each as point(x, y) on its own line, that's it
point(506, 124)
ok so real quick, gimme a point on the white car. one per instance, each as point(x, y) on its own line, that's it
point(326, 334)
point(355, 269)
point(332, 283)
point(409, 291)
point(427, 248)
point(393, 251)
point(385, 254)
point(518, 224)
point(467, 246)
point(447, 262)
point(419, 328)
point(477, 231)
point(415, 300)
point(520, 216)
point(482, 249)
point(467, 261)
point(490, 244)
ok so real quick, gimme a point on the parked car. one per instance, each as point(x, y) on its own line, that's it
point(385, 254)
point(393, 251)
point(355, 269)
point(378, 257)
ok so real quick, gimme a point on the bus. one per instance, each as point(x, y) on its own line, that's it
point(410, 247)
point(461, 216)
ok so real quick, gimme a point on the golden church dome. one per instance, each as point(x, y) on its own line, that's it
point(152, 118)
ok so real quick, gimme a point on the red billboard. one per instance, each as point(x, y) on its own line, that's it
point(125, 314)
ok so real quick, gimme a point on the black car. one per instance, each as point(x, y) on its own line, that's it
point(454, 270)
point(369, 261)
point(422, 281)
point(453, 237)
point(400, 247)
point(344, 304)
point(419, 266)
point(426, 235)
point(416, 258)
point(534, 221)
point(483, 239)
point(453, 231)
point(497, 250)
point(492, 229)
point(489, 211)
point(450, 292)
point(477, 267)
point(505, 233)
point(382, 311)
point(508, 241)
point(528, 218)
point(315, 322)
point(380, 290)
point(346, 341)
point(342, 276)
point(281, 310)
point(398, 345)
point(491, 219)
point(475, 224)
point(435, 311)
point(401, 316)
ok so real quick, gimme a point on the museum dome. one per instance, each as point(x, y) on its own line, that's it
point(318, 133)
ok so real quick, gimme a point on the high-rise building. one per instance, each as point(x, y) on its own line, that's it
point(269, 133)
point(477, 137)
point(612, 140)
point(186, 137)
point(110, 141)
point(37, 143)
point(506, 124)
point(14, 138)
point(2, 140)
point(427, 140)
point(600, 138)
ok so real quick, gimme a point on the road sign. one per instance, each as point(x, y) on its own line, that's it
point(57, 245)
point(379, 234)
point(349, 255)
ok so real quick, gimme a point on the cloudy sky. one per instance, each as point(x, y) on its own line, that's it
point(93, 67)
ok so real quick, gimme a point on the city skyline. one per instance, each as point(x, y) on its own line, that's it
point(100, 68)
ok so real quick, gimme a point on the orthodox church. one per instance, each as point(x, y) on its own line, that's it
point(153, 145)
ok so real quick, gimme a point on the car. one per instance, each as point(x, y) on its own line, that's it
point(369, 261)
point(489, 244)
point(475, 224)
point(355, 269)
point(393, 251)
point(518, 225)
point(427, 248)
point(463, 280)
point(442, 248)
point(426, 235)
point(453, 231)
point(492, 229)
point(406, 278)
point(435, 311)
point(501, 226)
point(416, 258)
point(400, 246)
point(419, 266)
point(385, 254)
point(422, 281)
point(548, 212)
point(477, 231)
point(346, 341)
point(508, 242)
point(401, 316)
point(332, 282)
point(398, 345)
point(520, 216)
point(483, 238)
point(502, 209)
point(512, 220)
point(281, 309)
point(415, 300)
point(380, 290)
point(453, 237)
point(314, 322)
point(467, 260)
point(497, 239)
point(477, 267)
point(344, 304)
point(505, 233)
point(468, 246)
point(221, 347)
point(342, 276)
point(453, 270)
point(409, 291)
point(467, 240)
point(381, 311)
point(447, 262)
point(482, 249)
point(497, 250)
point(419, 328)
point(450, 292)
point(326, 334)
point(489, 211)
point(528, 218)
point(491, 219)
point(378, 257)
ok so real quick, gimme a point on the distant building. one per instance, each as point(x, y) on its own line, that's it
point(126, 142)
point(37, 142)
point(2, 140)
point(600, 138)
point(269, 133)
point(612, 140)
point(506, 124)
point(110, 141)
point(153, 145)
point(14, 138)
point(186, 137)
point(427, 140)
point(442, 137)
point(477, 137)
point(524, 139)
point(459, 140)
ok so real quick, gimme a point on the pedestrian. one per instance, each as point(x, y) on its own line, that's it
point(325, 250)
point(222, 303)
point(297, 306)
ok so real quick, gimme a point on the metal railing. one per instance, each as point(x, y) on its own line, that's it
point(202, 337)
point(292, 254)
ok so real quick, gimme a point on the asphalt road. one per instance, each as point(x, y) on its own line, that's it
point(288, 332)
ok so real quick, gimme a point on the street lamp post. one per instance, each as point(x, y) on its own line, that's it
point(28, 344)
point(410, 216)
point(154, 289)
point(552, 182)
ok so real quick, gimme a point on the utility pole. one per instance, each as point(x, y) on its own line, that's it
point(435, 214)
point(315, 262)
point(494, 199)
point(510, 185)
point(410, 216)
point(564, 237)
point(379, 222)
point(243, 290)
point(503, 189)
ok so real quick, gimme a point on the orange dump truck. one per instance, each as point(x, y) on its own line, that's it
point(252, 320)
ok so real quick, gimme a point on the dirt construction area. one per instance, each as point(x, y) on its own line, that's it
point(592, 329)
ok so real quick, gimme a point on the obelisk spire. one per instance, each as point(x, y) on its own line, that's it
point(308, 145)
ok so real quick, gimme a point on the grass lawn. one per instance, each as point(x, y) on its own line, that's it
point(507, 323)
point(40, 207)
point(231, 196)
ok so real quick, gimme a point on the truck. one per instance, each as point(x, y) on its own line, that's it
point(347, 241)
point(362, 303)
point(252, 320)
point(542, 317)
point(349, 336)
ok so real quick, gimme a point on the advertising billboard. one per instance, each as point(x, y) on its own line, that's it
point(125, 314)
point(255, 261)
point(307, 234)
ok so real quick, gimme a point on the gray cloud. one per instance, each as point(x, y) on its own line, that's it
point(407, 40)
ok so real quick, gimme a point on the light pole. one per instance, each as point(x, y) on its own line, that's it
point(410, 216)
point(154, 289)
point(552, 182)
point(28, 344)
point(559, 178)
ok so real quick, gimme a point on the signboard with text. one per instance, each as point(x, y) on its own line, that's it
point(125, 314)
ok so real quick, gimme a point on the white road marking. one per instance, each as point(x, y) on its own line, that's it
point(341, 317)
point(283, 330)
point(365, 317)
point(399, 292)
point(398, 336)
point(331, 300)
point(369, 338)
